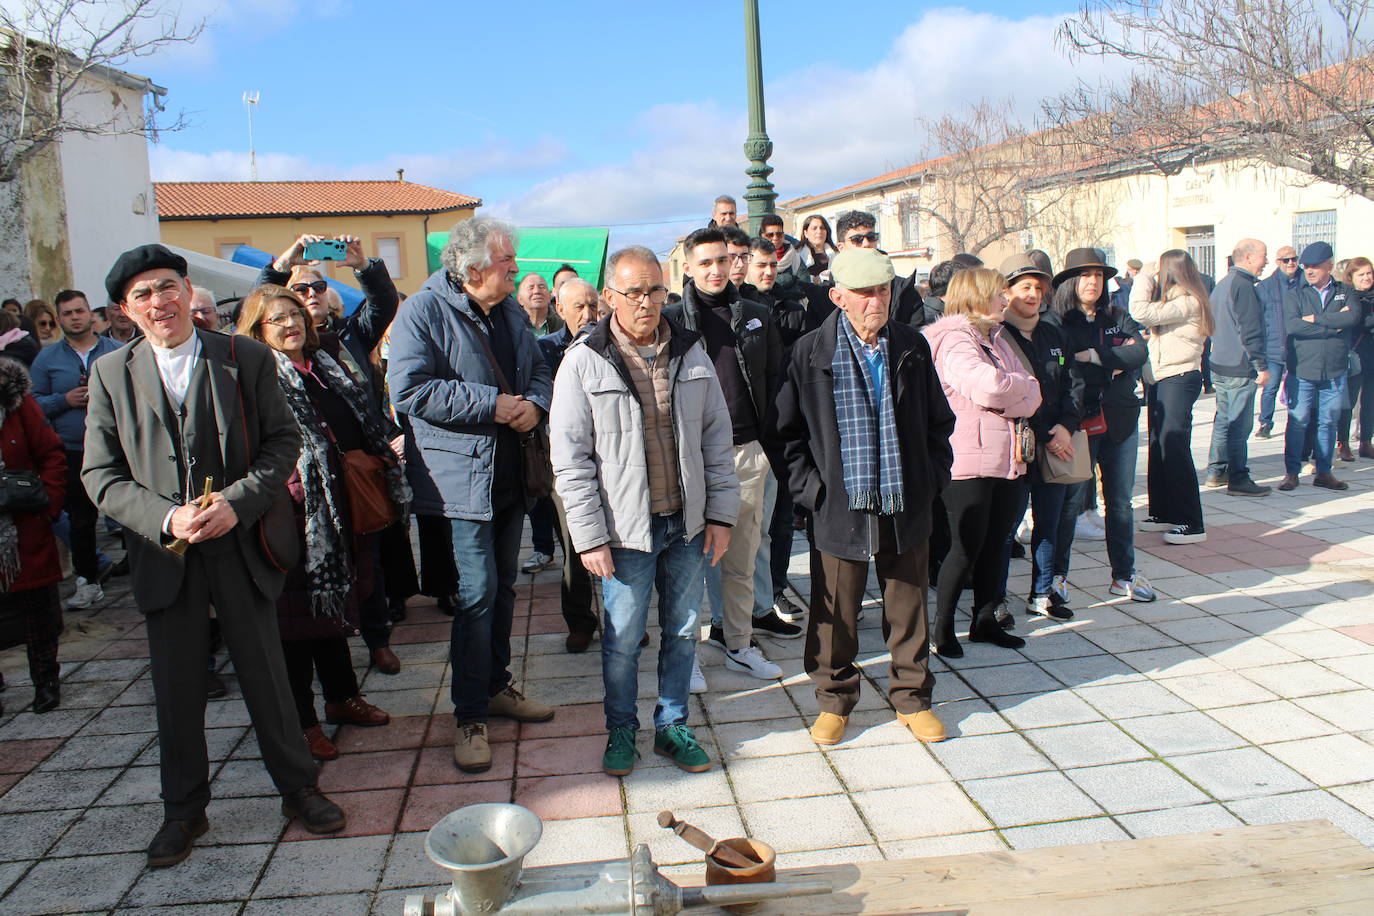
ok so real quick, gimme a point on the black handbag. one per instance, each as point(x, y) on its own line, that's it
point(22, 491)
point(536, 460)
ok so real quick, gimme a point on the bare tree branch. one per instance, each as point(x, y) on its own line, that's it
point(54, 52)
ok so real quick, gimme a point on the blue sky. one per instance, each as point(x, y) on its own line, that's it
point(587, 113)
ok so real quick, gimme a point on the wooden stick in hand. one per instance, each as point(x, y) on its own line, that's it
point(180, 544)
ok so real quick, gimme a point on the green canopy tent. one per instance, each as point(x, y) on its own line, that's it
point(543, 251)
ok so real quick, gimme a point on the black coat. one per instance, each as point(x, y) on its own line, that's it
point(807, 426)
point(789, 314)
point(1321, 347)
point(1109, 385)
point(1061, 386)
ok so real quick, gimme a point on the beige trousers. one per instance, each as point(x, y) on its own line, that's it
point(737, 566)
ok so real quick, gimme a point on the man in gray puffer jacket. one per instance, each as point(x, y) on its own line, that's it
point(641, 440)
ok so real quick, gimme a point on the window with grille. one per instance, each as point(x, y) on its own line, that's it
point(908, 210)
point(1201, 243)
point(1314, 226)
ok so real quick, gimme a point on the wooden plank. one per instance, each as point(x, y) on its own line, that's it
point(1303, 867)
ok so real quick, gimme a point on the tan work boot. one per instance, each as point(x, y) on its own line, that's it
point(471, 752)
point(828, 728)
point(924, 725)
point(512, 704)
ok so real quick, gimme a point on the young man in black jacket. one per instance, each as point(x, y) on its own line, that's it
point(1317, 318)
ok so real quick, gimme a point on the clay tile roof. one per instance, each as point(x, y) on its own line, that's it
point(246, 199)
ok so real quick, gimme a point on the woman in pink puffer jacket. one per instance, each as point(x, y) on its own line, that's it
point(989, 387)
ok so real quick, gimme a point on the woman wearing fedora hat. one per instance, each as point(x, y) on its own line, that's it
point(1108, 350)
point(1175, 307)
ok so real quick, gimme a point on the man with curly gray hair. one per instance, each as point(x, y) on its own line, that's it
point(467, 375)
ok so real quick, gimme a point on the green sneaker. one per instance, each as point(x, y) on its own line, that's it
point(678, 742)
point(621, 754)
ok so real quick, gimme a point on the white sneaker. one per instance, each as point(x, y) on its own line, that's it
point(750, 660)
point(1137, 588)
point(787, 610)
point(698, 684)
point(86, 594)
point(1023, 531)
point(1086, 528)
point(536, 562)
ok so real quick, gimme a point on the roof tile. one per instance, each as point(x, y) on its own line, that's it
point(230, 199)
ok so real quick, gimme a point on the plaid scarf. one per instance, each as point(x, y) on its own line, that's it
point(869, 450)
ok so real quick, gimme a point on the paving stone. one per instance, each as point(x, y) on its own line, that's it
point(1128, 638)
point(72, 885)
point(134, 785)
point(1301, 679)
point(60, 723)
point(1030, 798)
point(989, 755)
point(799, 824)
point(98, 831)
point(331, 905)
point(583, 839)
point(1171, 661)
point(767, 738)
point(1352, 711)
point(210, 873)
point(192, 909)
point(407, 865)
point(324, 866)
point(1123, 701)
point(1088, 744)
point(1172, 821)
point(572, 796)
point(21, 756)
point(657, 788)
point(1144, 785)
point(1359, 796)
point(1005, 680)
point(560, 756)
point(1264, 723)
point(43, 791)
point(27, 835)
point(1035, 710)
point(1062, 644)
point(1065, 833)
point(951, 845)
point(1222, 688)
point(1322, 644)
point(1331, 760)
point(1181, 733)
point(425, 805)
point(1092, 670)
point(242, 778)
point(1241, 773)
point(370, 813)
point(1252, 652)
point(1305, 806)
point(10, 873)
point(964, 717)
point(122, 720)
point(885, 766)
point(761, 779)
point(96, 751)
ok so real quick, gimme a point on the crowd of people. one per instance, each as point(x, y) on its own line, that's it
point(263, 460)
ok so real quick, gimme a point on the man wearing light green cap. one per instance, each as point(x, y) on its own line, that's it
point(866, 429)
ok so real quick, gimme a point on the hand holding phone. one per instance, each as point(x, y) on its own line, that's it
point(325, 250)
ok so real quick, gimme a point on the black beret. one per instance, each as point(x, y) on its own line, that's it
point(137, 260)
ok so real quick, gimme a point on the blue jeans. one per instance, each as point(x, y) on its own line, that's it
point(487, 557)
point(1270, 395)
point(1327, 398)
point(1115, 462)
point(673, 567)
point(1047, 512)
point(1231, 428)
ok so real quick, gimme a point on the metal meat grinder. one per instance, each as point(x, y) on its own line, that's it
point(483, 846)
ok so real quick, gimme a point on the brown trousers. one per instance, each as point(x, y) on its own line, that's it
point(832, 632)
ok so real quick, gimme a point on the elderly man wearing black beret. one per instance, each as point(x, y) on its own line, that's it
point(168, 413)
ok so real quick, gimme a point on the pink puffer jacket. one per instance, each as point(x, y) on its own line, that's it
point(986, 392)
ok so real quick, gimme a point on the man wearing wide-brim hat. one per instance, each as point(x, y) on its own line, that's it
point(866, 428)
point(1317, 317)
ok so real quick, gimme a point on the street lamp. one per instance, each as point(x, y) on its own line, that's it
point(757, 147)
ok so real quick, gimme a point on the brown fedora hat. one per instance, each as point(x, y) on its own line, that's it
point(1081, 259)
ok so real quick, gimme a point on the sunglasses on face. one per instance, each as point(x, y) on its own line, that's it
point(860, 238)
point(319, 286)
point(1287, 260)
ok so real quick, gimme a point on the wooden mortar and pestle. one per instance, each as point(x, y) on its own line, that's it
point(738, 860)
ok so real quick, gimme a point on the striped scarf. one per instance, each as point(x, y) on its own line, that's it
point(869, 450)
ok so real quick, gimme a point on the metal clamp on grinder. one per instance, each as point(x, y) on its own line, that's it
point(482, 847)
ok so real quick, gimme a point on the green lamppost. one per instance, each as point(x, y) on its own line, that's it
point(757, 148)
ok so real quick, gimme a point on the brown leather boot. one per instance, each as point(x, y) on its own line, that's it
point(355, 711)
point(1343, 452)
point(1366, 448)
point(321, 748)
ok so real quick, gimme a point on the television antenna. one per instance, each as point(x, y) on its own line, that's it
point(250, 101)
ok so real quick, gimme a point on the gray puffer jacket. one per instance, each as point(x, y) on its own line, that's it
point(596, 434)
point(443, 383)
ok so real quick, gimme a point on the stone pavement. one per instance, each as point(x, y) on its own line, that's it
point(1244, 695)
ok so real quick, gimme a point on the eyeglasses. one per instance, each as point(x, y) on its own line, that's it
point(859, 238)
point(1293, 260)
point(300, 289)
point(739, 256)
point(657, 295)
point(286, 319)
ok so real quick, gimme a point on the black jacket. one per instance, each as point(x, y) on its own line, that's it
point(1061, 385)
point(789, 315)
point(807, 426)
point(758, 348)
point(1321, 347)
point(1238, 347)
point(1108, 385)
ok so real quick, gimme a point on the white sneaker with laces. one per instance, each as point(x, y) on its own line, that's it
point(86, 594)
point(1086, 528)
point(698, 683)
point(1137, 588)
point(536, 562)
point(751, 661)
